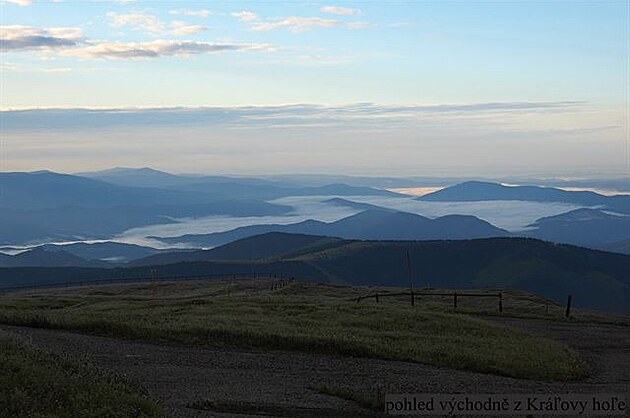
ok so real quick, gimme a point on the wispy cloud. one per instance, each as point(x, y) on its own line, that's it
point(301, 24)
point(190, 12)
point(360, 25)
point(286, 115)
point(17, 37)
point(338, 10)
point(179, 28)
point(159, 48)
point(18, 2)
point(142, 21)
point(245, 16)
point(20, 69)
point(298, 24)
point(150, 23)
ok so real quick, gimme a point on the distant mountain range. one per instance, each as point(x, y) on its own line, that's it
point(474, 191)
point(40, 257)
point(227, 187)
point(371, 224)
point(101, 254)
point(45, 206)
point(596, 279)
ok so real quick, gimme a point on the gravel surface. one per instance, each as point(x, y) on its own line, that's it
point(279, 383)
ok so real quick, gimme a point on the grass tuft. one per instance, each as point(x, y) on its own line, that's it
point(37, 383)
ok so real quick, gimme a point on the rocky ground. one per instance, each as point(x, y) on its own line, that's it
point(250, 382)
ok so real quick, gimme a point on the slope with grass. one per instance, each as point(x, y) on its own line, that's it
point(301, 317)
point(596, 279)
point(34, 382)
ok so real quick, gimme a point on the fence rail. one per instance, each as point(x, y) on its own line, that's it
point(416, 294)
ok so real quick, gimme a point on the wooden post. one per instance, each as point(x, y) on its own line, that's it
point(569, 305)
point(376, 297)
point(500, 302)
point(410, 278)
point(455, 300)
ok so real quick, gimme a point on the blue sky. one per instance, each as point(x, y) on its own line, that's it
point(444, 79)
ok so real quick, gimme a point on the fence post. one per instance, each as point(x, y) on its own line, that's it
point(455, 300)
point(413, 302)
point(376, 297)
point(501, 302)
point(569, 305)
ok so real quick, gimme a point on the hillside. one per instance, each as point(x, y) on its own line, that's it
point(585, 227)
point(40, 257)
point(371, 224)
point(596, 279)
point(472, 191)
point(272, 245)
point(227, 187)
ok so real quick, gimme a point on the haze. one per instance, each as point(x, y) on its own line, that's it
point(420, 88)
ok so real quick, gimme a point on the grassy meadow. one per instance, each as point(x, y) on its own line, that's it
point(35, 383)
point(301, 316)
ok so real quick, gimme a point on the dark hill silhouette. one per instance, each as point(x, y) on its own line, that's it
point(596, 279)
point(45, 189)
point(337, 201)
point(472, 191)
point(585, 227)
point(270, 245)
point(481, 190)
point(44, 206)
point(227, 187)
point(114, 252)
point(40, 257)
point(375, 224)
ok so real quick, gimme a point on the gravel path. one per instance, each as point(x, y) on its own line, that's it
point(281, 383)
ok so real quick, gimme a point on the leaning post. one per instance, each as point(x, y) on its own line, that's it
point(568, 312)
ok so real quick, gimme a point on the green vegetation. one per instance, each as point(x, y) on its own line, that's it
point(36, 383)
point(301, 316)
point(373, 398)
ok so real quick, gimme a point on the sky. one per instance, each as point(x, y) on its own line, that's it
point(440, 88)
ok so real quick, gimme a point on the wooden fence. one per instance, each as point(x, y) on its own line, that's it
point(416, 294)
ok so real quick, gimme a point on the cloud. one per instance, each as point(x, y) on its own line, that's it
point(361, 114)
point(360, 25)
point(159, 48)
point(18, 2)
point(150, 23)
point(179, 28)
point(298, 24)
point(190, 12)
point(245, 16)
point(16, 38)
point(142, 21)
point(337, 10)
point(19, 69)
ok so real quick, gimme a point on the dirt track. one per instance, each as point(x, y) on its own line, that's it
point(281, 383)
